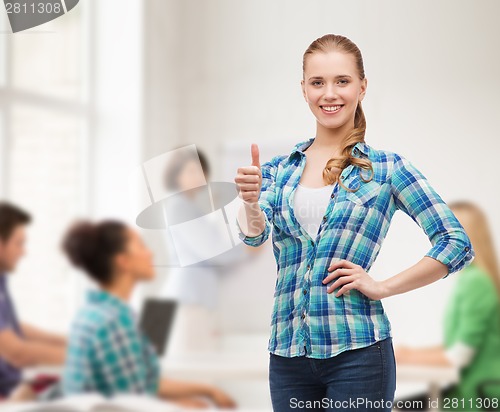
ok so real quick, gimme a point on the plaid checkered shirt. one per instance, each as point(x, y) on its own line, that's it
point(306, 320)
point(106, 351)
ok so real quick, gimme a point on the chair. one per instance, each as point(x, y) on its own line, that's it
point(485, 395)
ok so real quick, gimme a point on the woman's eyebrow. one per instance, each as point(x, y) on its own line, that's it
point(321, 78)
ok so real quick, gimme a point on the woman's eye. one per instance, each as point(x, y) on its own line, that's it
point(315, 83)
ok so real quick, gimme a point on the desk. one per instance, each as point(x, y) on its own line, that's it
point(30, 373)
point(233, 366)
point(217, 366)
point(255, 365)
point(435, 377)
point(230, 366)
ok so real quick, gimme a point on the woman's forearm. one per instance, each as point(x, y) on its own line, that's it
point(434, 356)
point(170, 388)
point(251, 219)
point(32, 333)
point(425, 272)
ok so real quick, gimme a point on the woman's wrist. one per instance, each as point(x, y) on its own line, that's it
point(385, 289)
point(207, 390)
point(251, 219)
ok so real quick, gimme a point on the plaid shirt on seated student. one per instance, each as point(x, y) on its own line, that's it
point(107, 352)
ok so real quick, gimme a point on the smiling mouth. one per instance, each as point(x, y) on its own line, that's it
point(332, 109)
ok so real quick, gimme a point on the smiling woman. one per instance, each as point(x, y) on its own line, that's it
point(328, 317)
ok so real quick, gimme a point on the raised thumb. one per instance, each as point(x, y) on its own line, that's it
point(255, 155)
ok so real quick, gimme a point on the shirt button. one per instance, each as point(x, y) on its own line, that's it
point(324, 218)
point(467, 248)
point(332, 196)
point(308, 267)
point(305, 292)
point(303, 316)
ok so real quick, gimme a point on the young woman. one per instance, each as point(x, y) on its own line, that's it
point(471, 326)
point(330, 202)
point(107, 353)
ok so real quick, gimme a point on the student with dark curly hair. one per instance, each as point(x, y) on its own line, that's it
point(107, 353)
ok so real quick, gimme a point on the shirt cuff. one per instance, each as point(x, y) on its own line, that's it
point(460, 354)
point(454, 257)
point(255, 240)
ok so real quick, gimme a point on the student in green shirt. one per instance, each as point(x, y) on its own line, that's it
point(471, 324)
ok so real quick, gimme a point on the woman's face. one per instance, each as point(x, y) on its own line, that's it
point(191, 176)
point(332, 80)
point(137, 258)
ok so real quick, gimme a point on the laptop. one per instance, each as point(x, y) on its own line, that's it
point(156, 321)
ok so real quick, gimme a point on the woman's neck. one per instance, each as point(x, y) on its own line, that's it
point(330, 140)
point(122, 288)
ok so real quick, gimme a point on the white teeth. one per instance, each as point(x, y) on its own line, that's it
point(331, 108)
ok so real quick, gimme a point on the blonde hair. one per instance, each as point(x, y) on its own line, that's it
point(477, 228)
point(334, 166)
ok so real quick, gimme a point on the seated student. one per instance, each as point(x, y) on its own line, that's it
point(471, 326)
point(21, 345)
point(107, 353)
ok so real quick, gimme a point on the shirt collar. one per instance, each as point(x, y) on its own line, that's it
point(358, 148)
point(102, 296)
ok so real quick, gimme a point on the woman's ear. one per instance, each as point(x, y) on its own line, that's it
point(121, 262)
point(364, 85)
point(302, 85)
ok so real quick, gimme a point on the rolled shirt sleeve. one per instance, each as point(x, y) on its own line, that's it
point(414, 195)
point(266, 203)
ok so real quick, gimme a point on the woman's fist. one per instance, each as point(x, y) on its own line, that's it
point(249, 179)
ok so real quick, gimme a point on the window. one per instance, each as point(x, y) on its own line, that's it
point(45, 124)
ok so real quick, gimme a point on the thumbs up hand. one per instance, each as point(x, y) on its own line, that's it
point(249, 179)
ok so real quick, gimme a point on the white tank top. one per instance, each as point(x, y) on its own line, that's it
point(309, 206)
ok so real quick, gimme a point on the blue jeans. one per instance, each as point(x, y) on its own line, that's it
point(355, 380)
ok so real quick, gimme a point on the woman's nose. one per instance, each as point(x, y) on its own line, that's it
point(330, 91)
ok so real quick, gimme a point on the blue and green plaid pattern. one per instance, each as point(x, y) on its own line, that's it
point(106, 351)
point(306, 320)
